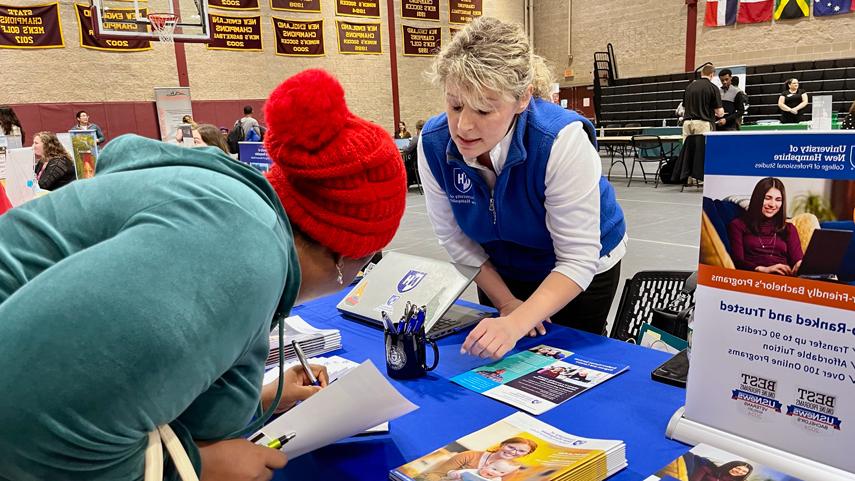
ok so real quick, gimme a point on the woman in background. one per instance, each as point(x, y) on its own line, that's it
point(762, 240)
point(54, 167)
point(9, 123)
point(209, 135)
point(791, 102)
point(402, 132)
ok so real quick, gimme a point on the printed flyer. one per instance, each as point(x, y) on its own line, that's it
point(773, 349)
point(709, 463)
point(539, 379)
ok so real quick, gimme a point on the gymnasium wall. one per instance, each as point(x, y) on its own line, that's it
point(74, 77)
point(649, 37)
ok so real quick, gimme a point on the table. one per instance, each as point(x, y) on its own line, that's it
point(670, 142)
point(630, 407)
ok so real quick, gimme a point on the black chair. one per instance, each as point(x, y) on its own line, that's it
point(647, 148)
point(647, 290)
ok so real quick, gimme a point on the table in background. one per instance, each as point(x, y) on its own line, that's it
point(630, 407)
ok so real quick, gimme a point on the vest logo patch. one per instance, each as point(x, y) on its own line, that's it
point(462, 182)
point(410, 281)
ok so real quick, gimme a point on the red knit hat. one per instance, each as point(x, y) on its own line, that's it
point(339, 177)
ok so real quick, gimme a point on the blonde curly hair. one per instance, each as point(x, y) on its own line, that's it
point(491, 55)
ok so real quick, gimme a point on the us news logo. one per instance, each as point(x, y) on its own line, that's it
point(815, 410)
point(757, 394)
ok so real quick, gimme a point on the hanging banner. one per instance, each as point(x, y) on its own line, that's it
point(242, 34)
point(358, 8)
point(420, 9)
point(420, 41)
point(87, 35)
point(34, 26)
point(358, 38)
point(234, 4)
point(296, 38)
point(773, 343)
point(305, 6)
point(463, 11)
point(172, 103)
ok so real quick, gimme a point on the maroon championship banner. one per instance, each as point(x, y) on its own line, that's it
point(463, 11)
point(358, 38)
point(420, 9)
point(358, 8)
point(241, 34)
point(34, 26)
point(87, 35)
point(234, 4)
point(421, 41)
point(295, 38)
point(305, 6)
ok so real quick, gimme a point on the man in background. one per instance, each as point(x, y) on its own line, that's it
point(731, 102)
point(248, 123)
point(734, 82)
point(702, 104)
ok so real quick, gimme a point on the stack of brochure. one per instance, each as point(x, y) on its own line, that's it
point(706, 462)
point(518, 447)
point(313, 341)
point(539, 379)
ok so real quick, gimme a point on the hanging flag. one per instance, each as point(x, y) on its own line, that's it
point(822, 8)
point(721, 13)
point(790, 9)
point(755, 11)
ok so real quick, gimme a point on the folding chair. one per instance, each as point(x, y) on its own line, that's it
point(647, 148)
point(647, 290)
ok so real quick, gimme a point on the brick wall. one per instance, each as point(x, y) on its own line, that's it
point(649, 37)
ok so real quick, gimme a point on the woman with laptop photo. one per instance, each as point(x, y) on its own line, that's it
point(513, 184)
point(762, 240)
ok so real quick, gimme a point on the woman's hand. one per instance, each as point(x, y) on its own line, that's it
point(493, 337)
point(510, 306)
point(239, 460)
point(780, 269)
point(296, 387)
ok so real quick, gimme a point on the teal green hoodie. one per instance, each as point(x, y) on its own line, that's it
point(140, 297)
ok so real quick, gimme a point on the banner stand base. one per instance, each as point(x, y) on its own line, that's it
point(692, 433)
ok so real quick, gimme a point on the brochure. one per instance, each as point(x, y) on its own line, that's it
point(517, 448)
point(539, 379)
point(706, 462)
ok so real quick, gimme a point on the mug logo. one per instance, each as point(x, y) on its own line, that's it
point(410, 281)
point(395, 357)
point(462, 182)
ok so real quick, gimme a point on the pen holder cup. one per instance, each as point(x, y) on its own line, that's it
point(406, 356)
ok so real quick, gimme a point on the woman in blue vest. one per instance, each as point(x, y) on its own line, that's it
point(513, 184)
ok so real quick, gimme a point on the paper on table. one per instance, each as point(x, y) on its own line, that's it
point(356, 402)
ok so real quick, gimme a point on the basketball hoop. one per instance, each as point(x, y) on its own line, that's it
point(164, 25)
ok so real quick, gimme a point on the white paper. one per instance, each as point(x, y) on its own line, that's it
point(361, 400)
point(336, 367)
point(21, 184)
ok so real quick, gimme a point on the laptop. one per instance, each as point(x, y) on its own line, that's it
point(825, 252)
point(433, 283)
point(403, 143)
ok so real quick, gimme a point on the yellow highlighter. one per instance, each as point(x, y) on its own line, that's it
point(281, 441)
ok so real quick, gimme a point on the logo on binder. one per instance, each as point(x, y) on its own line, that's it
point(410, 281)
point(462, 182)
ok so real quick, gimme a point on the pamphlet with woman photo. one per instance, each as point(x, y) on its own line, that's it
point(706, 463)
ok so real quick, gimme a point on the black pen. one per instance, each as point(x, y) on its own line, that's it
point(281, 441)
point(302, 358)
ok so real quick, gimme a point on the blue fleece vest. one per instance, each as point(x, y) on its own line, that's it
point(510, 222)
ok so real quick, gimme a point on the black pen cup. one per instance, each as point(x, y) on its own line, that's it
point(406, 354)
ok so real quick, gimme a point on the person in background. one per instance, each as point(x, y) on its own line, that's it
point(209, 135)
point(791, 102)
point(54, 167)
point(411, 161)
point(188, 120)
point(849, 122)
point(734, 82)
point(731, 101)
point(762, 240)
point(702, 104)
point(402, 132)
point(248, 124)
point(9, 123)
point(83, 123)
point(179, 134)
point(513, 183)
point(164, 336)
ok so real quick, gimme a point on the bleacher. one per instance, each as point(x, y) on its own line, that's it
point(648, 101)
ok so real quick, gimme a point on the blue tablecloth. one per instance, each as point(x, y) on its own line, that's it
point(630, 407)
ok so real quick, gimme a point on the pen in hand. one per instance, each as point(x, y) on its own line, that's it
point(302, 358)
point(281, 441)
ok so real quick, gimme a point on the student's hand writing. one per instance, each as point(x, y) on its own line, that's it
point(296, 387)
point(239, 460)
point(780, 269)
point(492, 337)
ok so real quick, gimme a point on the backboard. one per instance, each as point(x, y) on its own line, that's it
point(124, 20)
